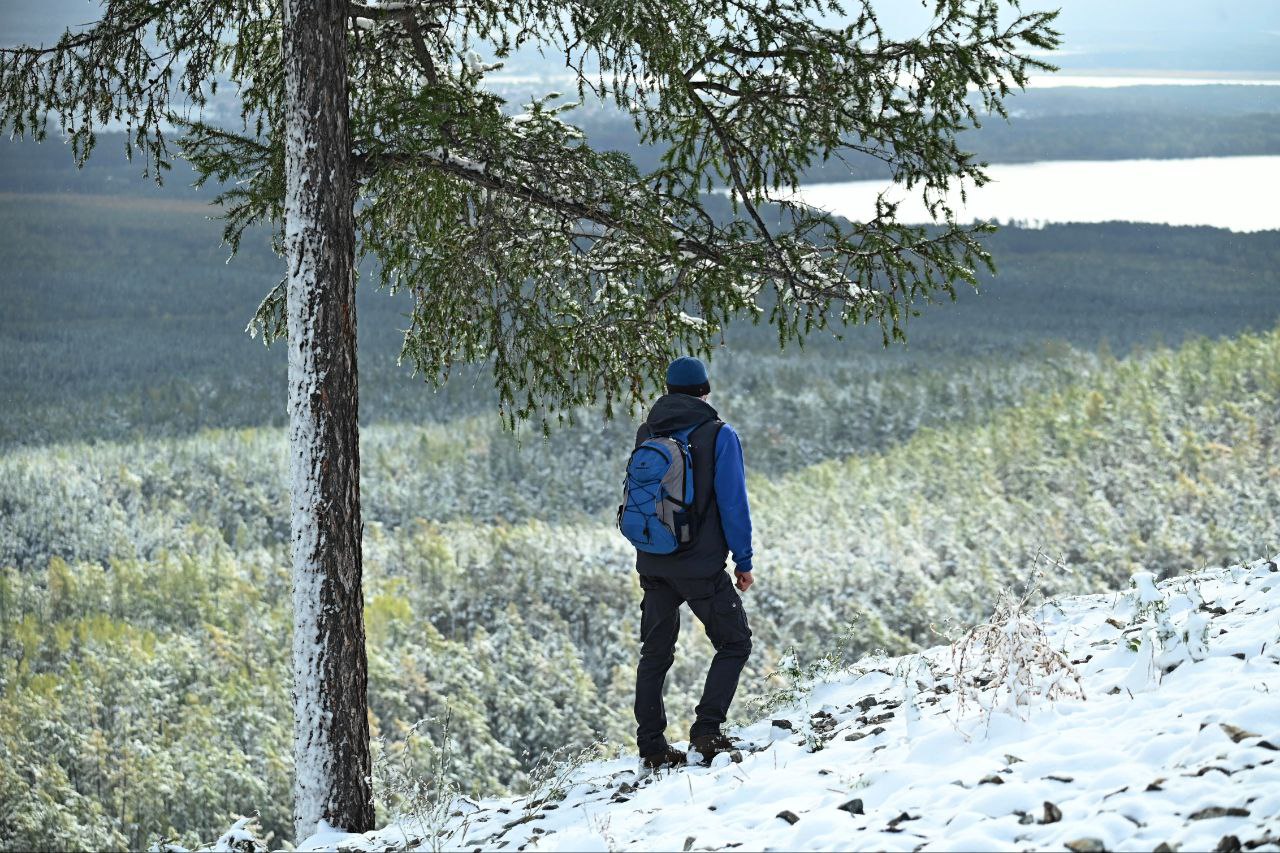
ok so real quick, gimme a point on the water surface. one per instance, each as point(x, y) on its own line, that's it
point(1238, 193)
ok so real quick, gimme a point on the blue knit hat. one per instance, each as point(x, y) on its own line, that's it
point(688, 375)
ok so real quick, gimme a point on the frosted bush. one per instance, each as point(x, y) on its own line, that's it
point(1008, 663)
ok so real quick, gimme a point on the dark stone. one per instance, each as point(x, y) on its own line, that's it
point(524, 819)
point(993, 779)
point(789, 816)
point(1052, 814)
point(1219, 811)
point(854, 806)
point(1228, 844)
point(783, 724)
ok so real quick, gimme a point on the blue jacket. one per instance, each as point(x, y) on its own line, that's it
point(727, 523)
point(731, 497)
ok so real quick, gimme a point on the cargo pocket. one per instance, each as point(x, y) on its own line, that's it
point(730, 619)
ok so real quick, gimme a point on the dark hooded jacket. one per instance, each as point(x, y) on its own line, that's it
point(709, 551)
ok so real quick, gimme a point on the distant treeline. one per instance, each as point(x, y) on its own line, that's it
point(123, 317)
point(1028, 138)
point(1046, 124)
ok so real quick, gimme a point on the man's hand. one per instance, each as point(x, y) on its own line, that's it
point(745, 580)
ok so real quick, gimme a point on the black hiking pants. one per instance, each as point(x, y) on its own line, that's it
point(716, 604)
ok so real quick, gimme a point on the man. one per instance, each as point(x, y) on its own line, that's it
point(695, 574)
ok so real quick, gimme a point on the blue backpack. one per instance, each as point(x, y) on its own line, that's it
point(657, 513)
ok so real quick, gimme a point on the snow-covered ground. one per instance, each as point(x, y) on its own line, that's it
point(1147, 719)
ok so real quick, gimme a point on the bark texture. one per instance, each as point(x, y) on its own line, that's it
point(331, 728)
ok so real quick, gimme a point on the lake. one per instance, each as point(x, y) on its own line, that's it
point(1238, 193)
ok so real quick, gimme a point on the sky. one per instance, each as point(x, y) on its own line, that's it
point(1192, 35)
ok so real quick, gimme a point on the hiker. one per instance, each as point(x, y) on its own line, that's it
point(695, 572)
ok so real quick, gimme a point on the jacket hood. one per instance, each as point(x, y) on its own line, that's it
point(674, 412)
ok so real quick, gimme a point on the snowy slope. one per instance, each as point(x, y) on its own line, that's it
point(1174, 743)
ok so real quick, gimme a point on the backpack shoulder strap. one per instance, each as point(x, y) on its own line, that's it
point(644, 433)
point(704, 435)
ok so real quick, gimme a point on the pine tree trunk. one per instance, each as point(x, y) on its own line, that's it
point(331, 728)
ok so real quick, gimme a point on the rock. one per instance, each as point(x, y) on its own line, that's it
point(902, 818)
point(993, 779)
point(1228, 844)
point(822, 722)
point(1266, 744)
point(867, 703)
point(1219, 811)
point(1086, 845)
point(1163, 847)
point(783, 724)
point(854, 806)
point(1203, 770)
point(523, 819)
point(688, 844)
point(1012, 759)
point(1024, 818)
point(789, 816)
point(626, 788)
point(1155, 785)
point(855, 736)
point(1052, 814)
point(877, 730)
point(1061, 778)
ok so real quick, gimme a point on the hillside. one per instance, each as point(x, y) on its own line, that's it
point(1137, 720)
point(144, 585)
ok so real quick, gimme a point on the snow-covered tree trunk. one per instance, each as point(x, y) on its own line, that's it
point(331, 728)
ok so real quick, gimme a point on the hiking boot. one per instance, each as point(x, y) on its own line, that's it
point(709, 746)
point(669, 757)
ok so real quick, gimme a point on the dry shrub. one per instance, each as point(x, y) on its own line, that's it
point(1009, 663)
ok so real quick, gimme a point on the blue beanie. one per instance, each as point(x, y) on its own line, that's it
point(686, 372)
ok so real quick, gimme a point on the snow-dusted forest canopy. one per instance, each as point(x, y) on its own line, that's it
point(1109, 402)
